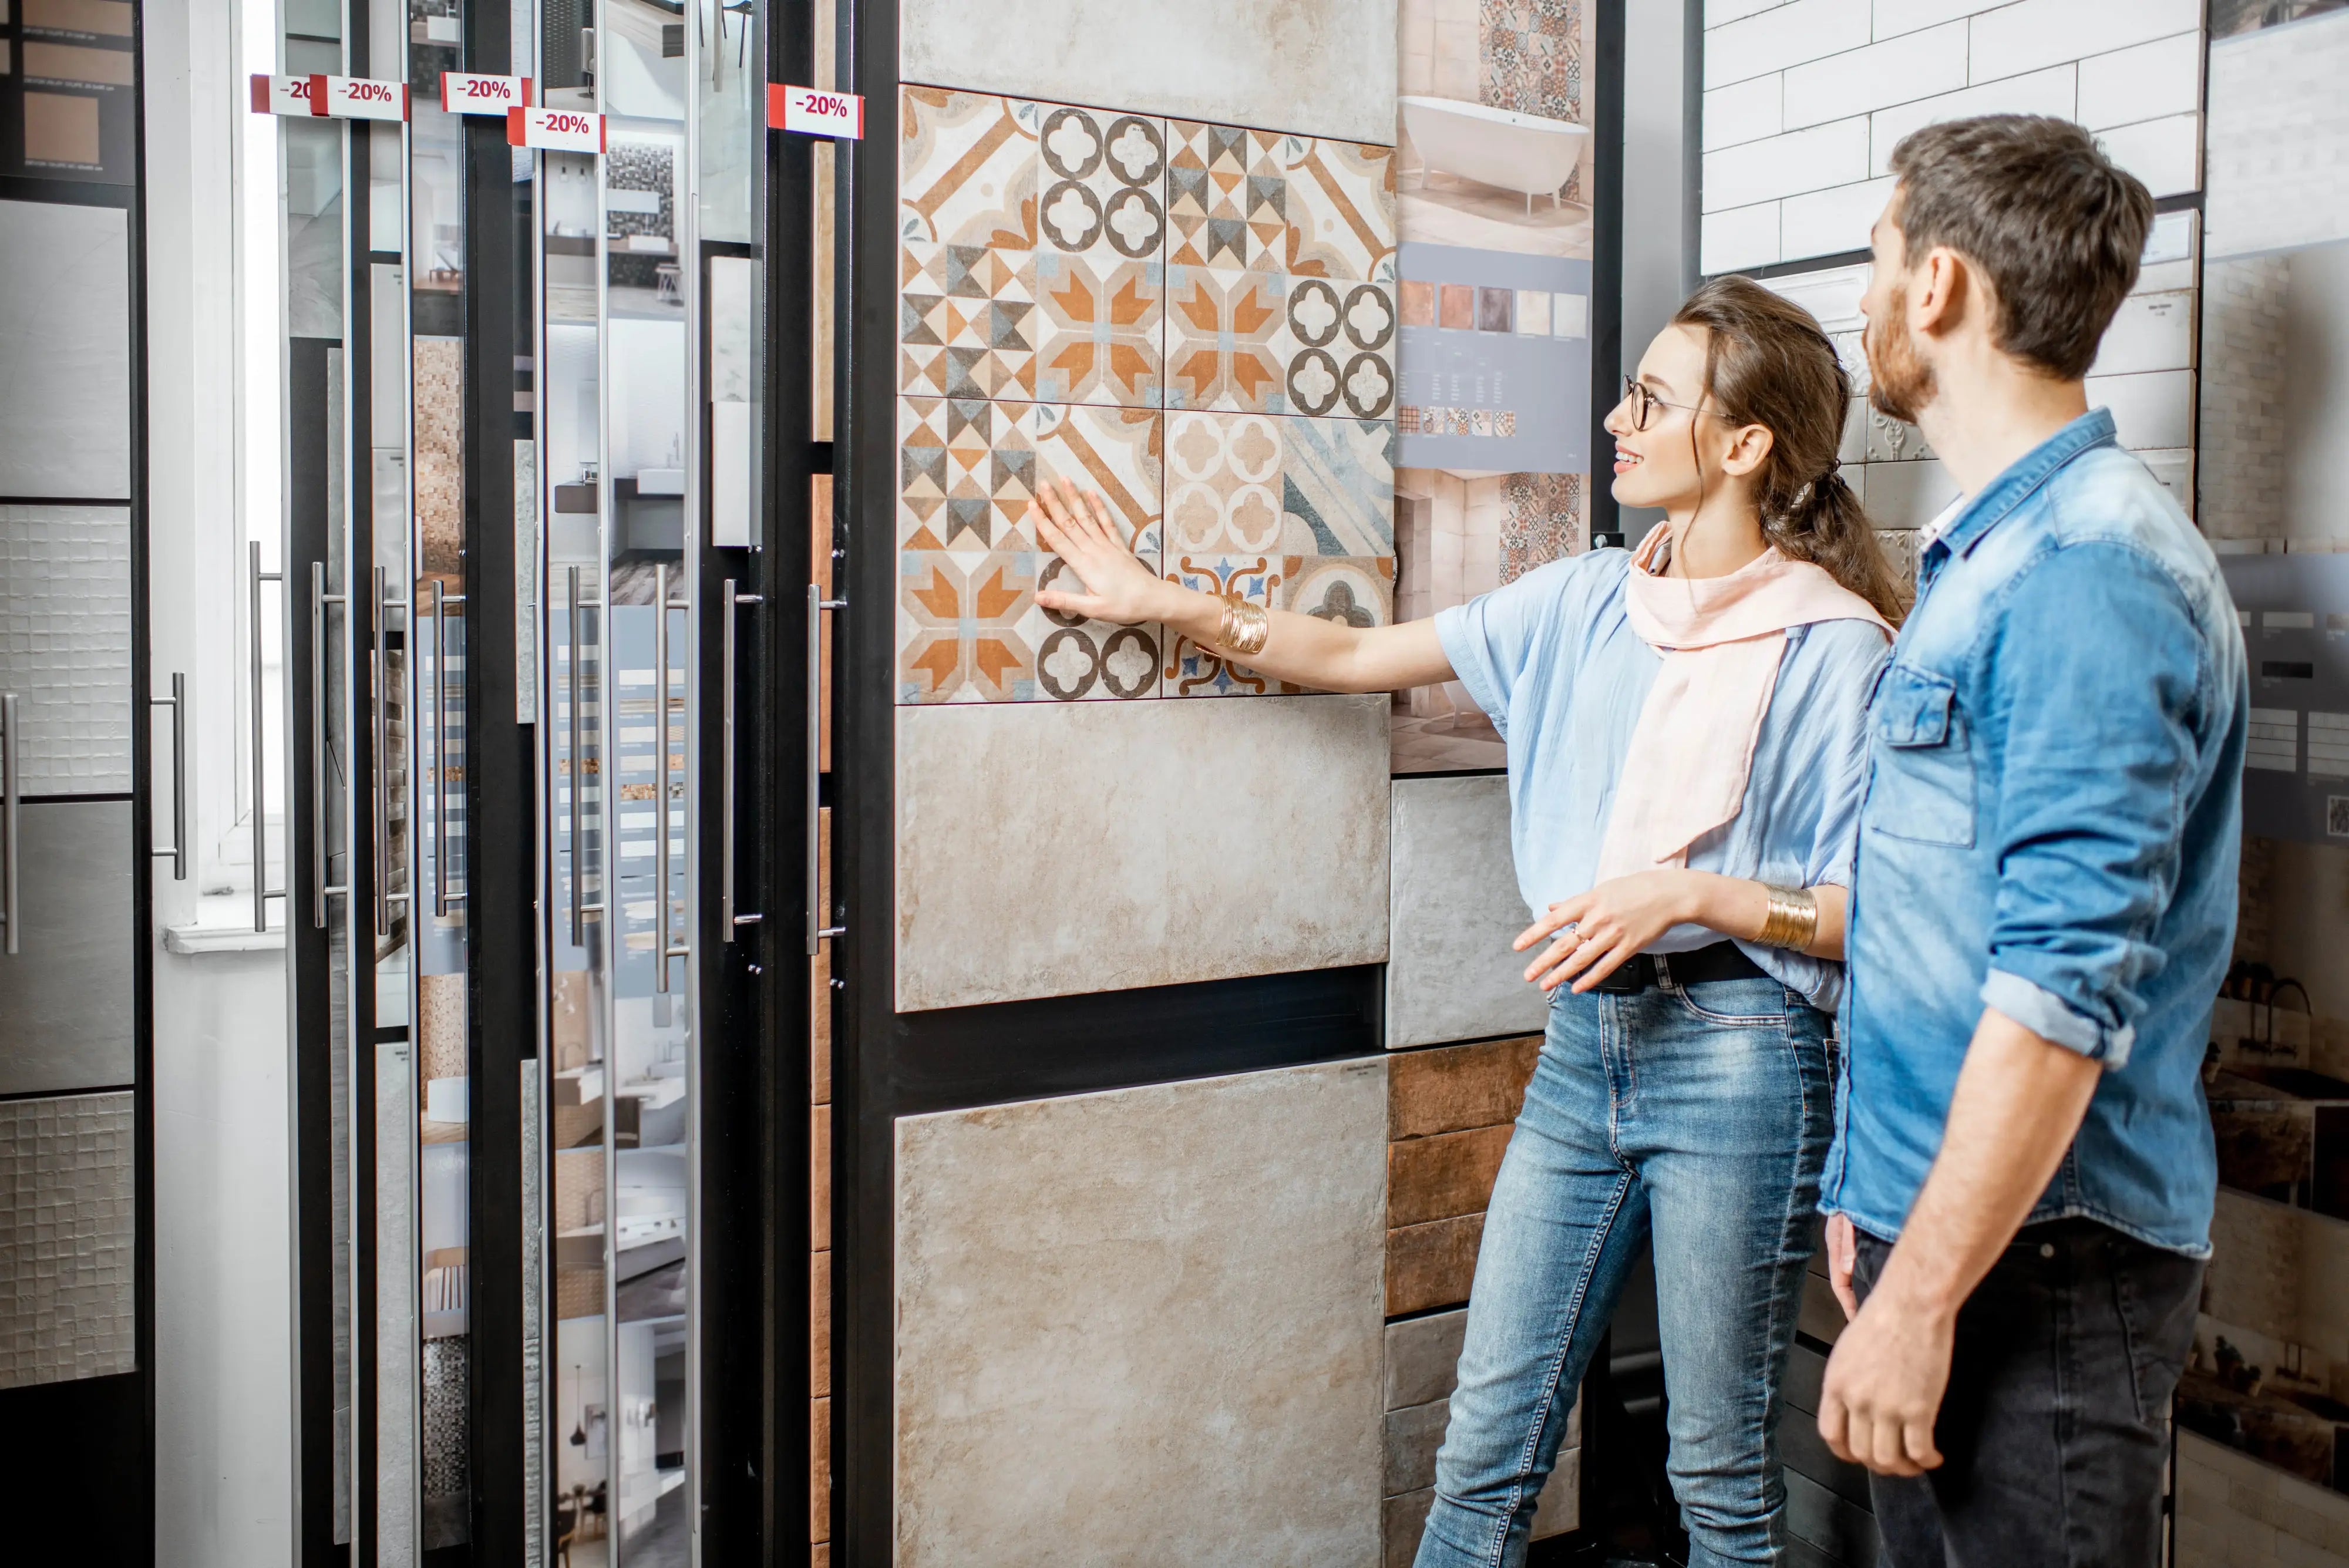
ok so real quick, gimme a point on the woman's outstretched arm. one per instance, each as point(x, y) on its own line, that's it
point(1301, 649)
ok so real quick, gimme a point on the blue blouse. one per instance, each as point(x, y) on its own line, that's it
point(1553, 659)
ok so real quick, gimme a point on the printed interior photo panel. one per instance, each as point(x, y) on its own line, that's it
point(1196, 321)
point(1493, 178)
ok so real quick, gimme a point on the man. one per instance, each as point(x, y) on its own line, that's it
point(2022, 1176)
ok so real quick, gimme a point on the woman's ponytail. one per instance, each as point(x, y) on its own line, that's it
point(1768, 362)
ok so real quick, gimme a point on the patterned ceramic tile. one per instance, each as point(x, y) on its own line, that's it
point(1268, 342)
point(1192, 671)
point(1222, 484)
point(961, 637)
point(1079, 659)
point(1543, 523)
point(1119, 452)
point(1098, 336)
point(1337, 487)
point(967, 321)
point(1262, 201)
point(967, 471)
point(968, 169)
point(1349, 590)
point(1103, 183)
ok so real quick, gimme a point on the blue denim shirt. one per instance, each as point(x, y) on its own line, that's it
point(2052, 817)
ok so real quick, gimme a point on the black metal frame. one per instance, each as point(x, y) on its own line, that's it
point(86, 1447)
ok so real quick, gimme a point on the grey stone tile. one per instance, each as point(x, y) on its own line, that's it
point(65, 336)
point(1424, 1357)
point(1413, 1436)
point(1451, 975)
point(1070, 1292)
point(1046, 849)
point(1404, 1519)
point(1319, 68)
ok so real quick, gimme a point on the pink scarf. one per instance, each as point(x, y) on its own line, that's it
point(1722, 638)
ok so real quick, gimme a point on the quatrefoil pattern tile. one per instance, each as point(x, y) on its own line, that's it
point(1196, 321)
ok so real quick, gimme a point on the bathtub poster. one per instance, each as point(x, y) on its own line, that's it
point(1494, 228)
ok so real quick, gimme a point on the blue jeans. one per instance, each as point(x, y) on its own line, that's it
point(1698, 1115)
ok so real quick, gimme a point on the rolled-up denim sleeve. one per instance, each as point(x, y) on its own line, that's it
point(2096, 685)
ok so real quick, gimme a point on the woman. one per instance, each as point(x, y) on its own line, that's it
point(1684, 726)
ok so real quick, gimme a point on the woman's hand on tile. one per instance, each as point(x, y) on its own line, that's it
point(1077, 526)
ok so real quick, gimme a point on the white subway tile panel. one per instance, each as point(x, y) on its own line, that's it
point(2025, 36)
point(2150, 411)
point(1894, 17)
point(1717, 11)
point(1831, 295)
point(2279, 138)
point(1813, 159)
point(1739, 238)
point(1747, 111)
point(2167, 154)
point(1827, 223)
point(2149, 332)
point(1787, 35)
point(2144, 83)
point(1916, 65)
point(2054, 91)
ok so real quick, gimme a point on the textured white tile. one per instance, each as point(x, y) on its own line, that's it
point(65, 646)
point(68, 1239)
point(2164, 76)
point(2167, 154)
point(1451, 975)
point(1923, 64)
point(2149, 332)
point(1249, 837)
point(2025, 36)
point(1908, 494)
point(1744, 111)
point(1828, 223)
point(2279, 138)
point(1096, 1344)
point(1832, 295)
point(2053, 91)
point(1787, 35)
point(2151, 410)
point(1894, 17)
point(1742, 237)
point(1808, 159)
point(64, 341)
point(1319, 68)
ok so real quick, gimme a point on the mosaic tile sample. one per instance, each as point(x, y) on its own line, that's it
point(1325, 67)
point(67, 1236)
point(1042, 332)
point(1454, 909)
point(1066, 1366)
point(1002, 810)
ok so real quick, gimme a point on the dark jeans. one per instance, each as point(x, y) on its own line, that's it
point(2057, 1423)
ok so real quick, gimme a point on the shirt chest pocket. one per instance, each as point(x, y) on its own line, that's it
point(1923, 788)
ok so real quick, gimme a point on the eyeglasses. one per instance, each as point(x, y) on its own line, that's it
point(1644, 403)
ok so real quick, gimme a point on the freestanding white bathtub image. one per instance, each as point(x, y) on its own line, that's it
point(1523, 153)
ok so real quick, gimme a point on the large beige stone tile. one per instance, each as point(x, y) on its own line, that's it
point(1144, 1326)
point(1451, 974)
point(1045, 850)
point(1319, 68)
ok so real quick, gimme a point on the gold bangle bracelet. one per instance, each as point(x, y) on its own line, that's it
point(1245, 627)
point(1792, 920)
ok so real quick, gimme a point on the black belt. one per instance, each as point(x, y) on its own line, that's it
point(1722, 960)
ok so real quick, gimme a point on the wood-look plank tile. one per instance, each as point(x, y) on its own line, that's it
point(1431, 1265)
point(1454, 1087)
point(1444, 1176)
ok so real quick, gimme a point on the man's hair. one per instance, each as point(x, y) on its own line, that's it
point(2035, 205)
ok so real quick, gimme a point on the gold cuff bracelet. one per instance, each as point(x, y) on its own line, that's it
point(1245, 627)
point(1794, 918)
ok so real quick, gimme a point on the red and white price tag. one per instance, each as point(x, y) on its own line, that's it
point(812, 111)
point(556, 130)
point(463, 92)
point(334, 97)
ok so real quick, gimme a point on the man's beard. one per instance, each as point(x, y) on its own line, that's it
point(1900, 382)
